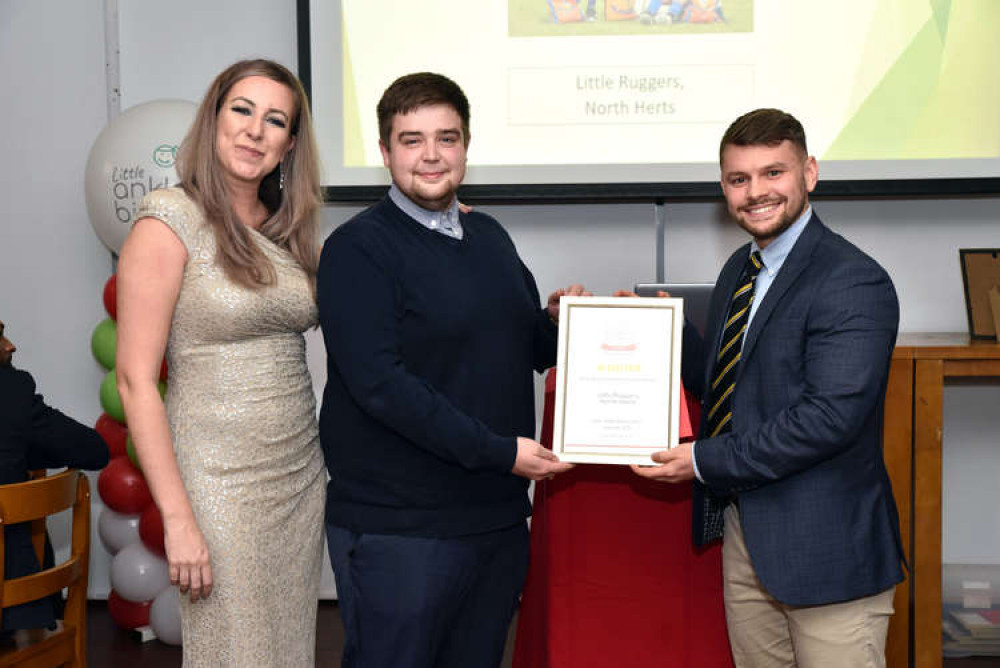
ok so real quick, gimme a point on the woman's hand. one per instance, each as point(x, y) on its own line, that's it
point(187, 558)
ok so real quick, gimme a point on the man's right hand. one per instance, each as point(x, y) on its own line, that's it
point(536, 462)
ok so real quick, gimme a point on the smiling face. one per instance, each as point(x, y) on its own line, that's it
point(426, 155)
point(767, 187)
point(6, 348)
point(254, 129)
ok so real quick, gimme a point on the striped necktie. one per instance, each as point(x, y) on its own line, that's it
point(727, 361)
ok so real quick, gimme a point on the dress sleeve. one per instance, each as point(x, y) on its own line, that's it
point(175, 209)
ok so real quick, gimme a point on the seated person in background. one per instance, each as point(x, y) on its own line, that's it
point(34, 436)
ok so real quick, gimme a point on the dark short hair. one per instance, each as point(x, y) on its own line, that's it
point(764, 127)
point(422, 89)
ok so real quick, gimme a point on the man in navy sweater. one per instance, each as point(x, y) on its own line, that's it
point(433, 329)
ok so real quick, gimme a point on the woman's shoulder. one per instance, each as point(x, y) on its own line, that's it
point(166, 199)
point(175, 208)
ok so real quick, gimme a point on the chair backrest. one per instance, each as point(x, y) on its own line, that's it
point(33, 501)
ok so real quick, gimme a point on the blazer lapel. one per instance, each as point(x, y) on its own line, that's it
point(796, 262)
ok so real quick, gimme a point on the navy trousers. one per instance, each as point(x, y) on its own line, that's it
point(410, 602)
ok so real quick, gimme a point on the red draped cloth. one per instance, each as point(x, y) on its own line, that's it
point(615, 579)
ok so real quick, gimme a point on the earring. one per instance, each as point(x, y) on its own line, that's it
point(281, 175)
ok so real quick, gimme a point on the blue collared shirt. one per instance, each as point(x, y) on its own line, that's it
point(773, 256)
point(446, 222)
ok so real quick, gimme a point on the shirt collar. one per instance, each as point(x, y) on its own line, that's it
point(775, 253)
point(446, 222)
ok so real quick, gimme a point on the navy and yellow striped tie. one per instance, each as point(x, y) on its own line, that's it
point(727, 361)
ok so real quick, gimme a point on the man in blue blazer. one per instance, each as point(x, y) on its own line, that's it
point(788, 466)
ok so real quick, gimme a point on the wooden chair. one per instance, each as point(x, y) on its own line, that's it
point(33, 501)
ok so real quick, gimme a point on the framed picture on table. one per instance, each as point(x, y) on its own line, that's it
point(981, 281)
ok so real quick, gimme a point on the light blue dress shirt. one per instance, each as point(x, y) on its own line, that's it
point(446, 222)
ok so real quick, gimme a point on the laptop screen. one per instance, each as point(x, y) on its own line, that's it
point(695, 295)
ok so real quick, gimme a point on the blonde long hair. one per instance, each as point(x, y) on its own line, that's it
point(293, 222)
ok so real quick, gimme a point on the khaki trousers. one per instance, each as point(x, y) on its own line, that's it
point(767, 633)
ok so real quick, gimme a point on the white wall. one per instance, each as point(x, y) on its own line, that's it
point(52, 267)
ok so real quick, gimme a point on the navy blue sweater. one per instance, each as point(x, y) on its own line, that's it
point(431, 345)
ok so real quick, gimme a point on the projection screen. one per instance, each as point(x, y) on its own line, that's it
point(898, 97)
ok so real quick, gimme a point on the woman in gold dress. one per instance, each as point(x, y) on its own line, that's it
point(219, 274)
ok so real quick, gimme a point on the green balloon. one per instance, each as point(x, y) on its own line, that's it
point(110, 401)
point(130, 451)
point(102, 343)
point(161, 386)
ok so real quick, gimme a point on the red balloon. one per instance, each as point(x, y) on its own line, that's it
point(114, 434)
point(122, 487)
point(151, 530)
point(128, 614)
point(163, 369)
point(111, 296)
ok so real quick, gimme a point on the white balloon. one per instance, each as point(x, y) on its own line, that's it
point(165, 616)
point(117, 530)
point(132, 156)
point(137, 574)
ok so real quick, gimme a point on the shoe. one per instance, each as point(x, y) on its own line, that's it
point(663, 19)
point(591, 17)
point(645, 18)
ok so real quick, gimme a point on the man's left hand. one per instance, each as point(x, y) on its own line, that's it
point(675, 465)
point(575, 290)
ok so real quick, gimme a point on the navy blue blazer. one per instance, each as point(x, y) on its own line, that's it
point(36, 436)
point(805, 452)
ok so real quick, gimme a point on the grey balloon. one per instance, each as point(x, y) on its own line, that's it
point(117, 530)
point(165, 616)
point(137, 574)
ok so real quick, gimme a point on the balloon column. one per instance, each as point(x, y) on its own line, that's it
point(130, 525)
point(132, 156)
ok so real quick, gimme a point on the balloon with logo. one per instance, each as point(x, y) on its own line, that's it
point(133, 155)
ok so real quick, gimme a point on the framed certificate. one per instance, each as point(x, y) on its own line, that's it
point(618, 389)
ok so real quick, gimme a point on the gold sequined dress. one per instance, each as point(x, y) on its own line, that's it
point(242, 414)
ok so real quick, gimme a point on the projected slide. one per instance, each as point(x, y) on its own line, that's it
point(641, 90)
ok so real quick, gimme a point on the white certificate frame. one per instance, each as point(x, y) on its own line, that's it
point(618, 385)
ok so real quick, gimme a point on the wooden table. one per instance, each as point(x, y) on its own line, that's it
point(913, 426)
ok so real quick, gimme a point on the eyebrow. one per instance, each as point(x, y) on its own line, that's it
point(254, 105)
point(437, 133)
point(766, 168)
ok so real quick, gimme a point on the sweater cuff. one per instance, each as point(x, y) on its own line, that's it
point(551, 326)
point(501, 453)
